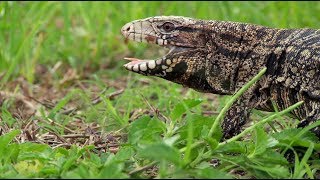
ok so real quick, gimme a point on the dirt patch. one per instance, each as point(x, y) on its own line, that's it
point(23, 102)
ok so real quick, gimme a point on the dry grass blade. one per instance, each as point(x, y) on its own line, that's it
point(156, 111)
point(94, 101)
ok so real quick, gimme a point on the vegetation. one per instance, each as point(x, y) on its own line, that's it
point(70, 110)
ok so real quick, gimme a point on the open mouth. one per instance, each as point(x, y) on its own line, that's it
point(146, 31)
point(164, 63)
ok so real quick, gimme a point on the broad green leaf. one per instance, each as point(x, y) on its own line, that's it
point(7, 138)
point(271, 142)
point(80, 171)
point(33, 147)
point(49, 172)
point(58, 152)
point(160, 152)
point(204, 165)
point(235, 147)
point(42, 157)
point(125, 153)
point(13, 153)
point(288, 136)
point(204, 131)
point(29, 168)
point(271, 157)
point(4, 143)
point(211, 173)
point(171, 140)
point(73, 174)
point(274, 171)
point(199, 123)
point(69, 163)
point(269, 164)
point(82, 151)
point(95, 159)
point(261, 138)
point(113, 171)
point(74, 153)
point(7, 171)
point(179, 109)
point(145, 130)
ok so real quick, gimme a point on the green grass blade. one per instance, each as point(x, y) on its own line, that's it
point(234, 99)
point(269, 118)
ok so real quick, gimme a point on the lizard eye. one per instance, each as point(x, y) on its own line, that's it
point(168, 26)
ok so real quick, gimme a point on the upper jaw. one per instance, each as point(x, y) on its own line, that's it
point(141, 31)
point(159, 66)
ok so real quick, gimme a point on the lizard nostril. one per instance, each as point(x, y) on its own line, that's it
point(126, 28)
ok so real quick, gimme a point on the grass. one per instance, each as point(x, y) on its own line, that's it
point(70, 110)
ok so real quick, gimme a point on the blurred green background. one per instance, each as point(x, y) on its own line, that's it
point(87, 34)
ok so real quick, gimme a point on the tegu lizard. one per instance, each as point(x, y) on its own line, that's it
point(220, 57)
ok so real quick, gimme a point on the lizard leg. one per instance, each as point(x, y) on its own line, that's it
point(313, 115)
point(235, 118)
point(239, 112)
point(308, 121)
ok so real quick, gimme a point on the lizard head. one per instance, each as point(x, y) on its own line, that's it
point(186, 60)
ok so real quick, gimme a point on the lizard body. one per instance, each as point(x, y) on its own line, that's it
point(220, 57)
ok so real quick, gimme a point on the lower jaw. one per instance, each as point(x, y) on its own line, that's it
point(138, 65)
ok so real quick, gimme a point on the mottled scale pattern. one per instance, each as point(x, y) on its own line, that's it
point(221, 56)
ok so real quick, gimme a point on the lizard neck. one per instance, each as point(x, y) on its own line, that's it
point(236, 53)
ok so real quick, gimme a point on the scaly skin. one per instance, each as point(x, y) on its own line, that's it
point(220, 57)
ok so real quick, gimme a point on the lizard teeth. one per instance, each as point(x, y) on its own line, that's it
point(174, 60)
point(160, 41)
point(169, 69)
point(135, 68)
point(128, 67)
point(159, 61)
point(137, 65)
point(151, 64)
point(143, 67)
point(168, 61)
